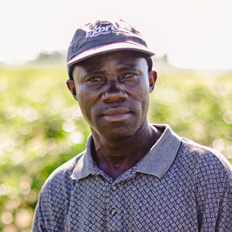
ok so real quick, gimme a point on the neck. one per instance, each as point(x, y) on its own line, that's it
point(116, 157)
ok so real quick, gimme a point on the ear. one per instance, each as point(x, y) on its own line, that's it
point(72, 88)
point(152, 79)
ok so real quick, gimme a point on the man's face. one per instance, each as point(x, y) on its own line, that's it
point(113, 93)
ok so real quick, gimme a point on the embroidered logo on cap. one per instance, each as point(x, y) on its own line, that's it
point(105, 30)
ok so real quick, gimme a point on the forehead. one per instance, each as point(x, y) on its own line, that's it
point(129, 59)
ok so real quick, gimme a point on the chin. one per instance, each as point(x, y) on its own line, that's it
point(118, 133)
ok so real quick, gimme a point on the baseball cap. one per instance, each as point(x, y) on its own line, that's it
point(104, 36)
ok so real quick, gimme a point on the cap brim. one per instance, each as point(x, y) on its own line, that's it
point(109, 48)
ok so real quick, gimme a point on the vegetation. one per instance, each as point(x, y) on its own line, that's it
point(41, 126)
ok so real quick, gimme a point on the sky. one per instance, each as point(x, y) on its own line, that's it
point(194, 34)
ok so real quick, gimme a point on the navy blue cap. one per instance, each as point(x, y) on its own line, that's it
point(104, 36)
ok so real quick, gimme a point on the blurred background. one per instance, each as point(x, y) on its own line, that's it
point(41, 125)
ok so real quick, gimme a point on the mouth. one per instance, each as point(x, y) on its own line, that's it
point(116, 114)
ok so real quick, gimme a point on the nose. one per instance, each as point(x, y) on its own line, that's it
point(114, 92)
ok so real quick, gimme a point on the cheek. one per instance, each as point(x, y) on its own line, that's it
point(86, 102)
point(142, 92)
point(143, 98)
point(82, 97)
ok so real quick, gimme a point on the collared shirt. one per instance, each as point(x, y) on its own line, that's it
point(177, 186)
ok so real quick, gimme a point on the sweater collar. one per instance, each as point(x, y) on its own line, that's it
point(156, 162)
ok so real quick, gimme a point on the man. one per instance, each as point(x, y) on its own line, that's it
point(133, 176)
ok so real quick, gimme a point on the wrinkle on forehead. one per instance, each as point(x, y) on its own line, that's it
point(124, 59)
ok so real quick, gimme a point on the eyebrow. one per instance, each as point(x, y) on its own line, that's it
point(98, 71)
point(128, 65)
point(123, 65)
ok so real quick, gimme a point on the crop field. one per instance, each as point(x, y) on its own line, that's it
point(41, 126)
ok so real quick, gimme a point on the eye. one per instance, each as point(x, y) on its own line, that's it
point(128, 76)
point(96, 79)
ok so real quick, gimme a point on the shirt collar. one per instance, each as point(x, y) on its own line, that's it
point(85, 165)
point(161, 156)
point(156, 162)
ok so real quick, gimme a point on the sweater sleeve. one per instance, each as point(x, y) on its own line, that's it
point(213, 194)
point(53, 205)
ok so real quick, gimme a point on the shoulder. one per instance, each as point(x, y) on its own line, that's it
point(205, 161)
point(202, 153)
point(54, 198)
point(60, 177)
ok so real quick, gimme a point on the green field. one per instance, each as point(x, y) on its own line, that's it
point(41, 126)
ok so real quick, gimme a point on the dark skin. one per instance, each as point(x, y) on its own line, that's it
point(113, 93)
